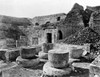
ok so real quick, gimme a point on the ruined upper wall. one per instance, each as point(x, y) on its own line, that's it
point(94, 22)
point(40, 20)
point(14, 20)
point(88, 11)
point(95, 8)
point(75, 16)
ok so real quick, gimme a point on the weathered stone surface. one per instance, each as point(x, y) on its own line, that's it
point(73, 21)
point(46, 47)
point(2, 54)
point(89, 10)
point(74, 17)
point(6, 66)
point(50, 71)
point(94, 21)
point(95, 66)
point(87, 47)
point(28, 52)
point(11, 55)
point(27, 62)
point(40, 20)
point(83, 65)
point(21, 72)
point(78, 72)
point(43, 55)
point(87, 35)
point(75, 53)
point(7, 43)
point(58, 58)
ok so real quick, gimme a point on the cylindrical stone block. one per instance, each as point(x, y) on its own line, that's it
point(27, 62)
point(55, 72)
point(58, 58)
point(75, 53)
point(28, 52)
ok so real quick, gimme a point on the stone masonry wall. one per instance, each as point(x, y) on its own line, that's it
point(40, 20)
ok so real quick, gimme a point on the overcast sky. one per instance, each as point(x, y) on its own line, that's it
point(31, 8)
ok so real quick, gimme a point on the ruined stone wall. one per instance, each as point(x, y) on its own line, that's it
point(54, 34)
point(40, 20)
point(94, 22)
point(39, 36)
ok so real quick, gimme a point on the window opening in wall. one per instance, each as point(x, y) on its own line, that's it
point(49, 37)
point(58, 18)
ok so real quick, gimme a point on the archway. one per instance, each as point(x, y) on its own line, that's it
point(60, 35)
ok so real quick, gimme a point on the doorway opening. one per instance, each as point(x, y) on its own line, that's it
point(49, 37)
point(60, 36)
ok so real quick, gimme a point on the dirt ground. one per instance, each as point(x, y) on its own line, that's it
point(81, 70)
point(24, 72)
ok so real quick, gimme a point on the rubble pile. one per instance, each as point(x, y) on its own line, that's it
point(87, 35)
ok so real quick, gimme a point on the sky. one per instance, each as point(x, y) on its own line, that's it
point(32, 8)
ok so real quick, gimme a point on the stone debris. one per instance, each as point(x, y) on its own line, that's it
point(9, 54)
point(76, 53)
point(95, 67)
point(87, 35)
point(43, 55)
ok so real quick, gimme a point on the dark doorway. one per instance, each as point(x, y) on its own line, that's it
point(49, 37)
point(58, 18)
point(60, 36)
